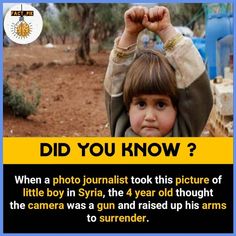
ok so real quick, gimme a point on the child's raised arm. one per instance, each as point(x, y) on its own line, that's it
point(158, 21)
point(120, 59)
point(194, 93)
point(133, 25)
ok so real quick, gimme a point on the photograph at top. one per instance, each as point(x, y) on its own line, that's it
point(118, 69)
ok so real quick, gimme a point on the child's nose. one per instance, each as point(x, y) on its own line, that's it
point(150, 115)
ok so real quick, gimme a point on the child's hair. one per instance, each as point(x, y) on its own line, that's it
point(150, 73)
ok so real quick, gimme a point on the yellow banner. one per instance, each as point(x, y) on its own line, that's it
point(104, 150)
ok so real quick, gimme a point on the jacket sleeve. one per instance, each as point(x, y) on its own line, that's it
point(119, 62)
point(194, 93)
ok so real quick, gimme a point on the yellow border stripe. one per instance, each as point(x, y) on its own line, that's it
point(121, 150)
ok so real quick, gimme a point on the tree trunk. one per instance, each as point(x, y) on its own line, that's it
point(99, 35)
point(87, 13)
point(63, 38)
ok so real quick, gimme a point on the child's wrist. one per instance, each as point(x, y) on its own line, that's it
point(171, 43)
point(167, 33)
point(121, 53)
point(127, 39)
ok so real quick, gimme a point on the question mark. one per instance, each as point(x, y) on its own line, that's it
point(192, 147)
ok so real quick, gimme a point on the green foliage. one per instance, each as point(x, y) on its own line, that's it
point(64, 19)
point(109, 19)
point(63, 27)
point(41, 7)
point(17, 102)
point(185, 14)
point(111, 16)
point(47, 25)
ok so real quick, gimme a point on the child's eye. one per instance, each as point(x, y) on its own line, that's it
point(141, 105)
point(161, 105)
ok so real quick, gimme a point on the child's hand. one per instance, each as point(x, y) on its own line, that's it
point(158, 21)
point(133, 25)
point(133, 19)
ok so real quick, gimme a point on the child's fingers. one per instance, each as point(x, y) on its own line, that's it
point(146, 11)
point(158, 13)
point(146, 23)
point(153, 13)
point(152, 26)
point(163, 13)
point(140, 12)
point(130, 14)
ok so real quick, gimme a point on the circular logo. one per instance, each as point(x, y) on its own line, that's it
point(23, 24)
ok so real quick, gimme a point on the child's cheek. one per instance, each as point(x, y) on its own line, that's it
point(135, 121)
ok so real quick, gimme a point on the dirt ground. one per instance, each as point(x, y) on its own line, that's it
point(72, 96)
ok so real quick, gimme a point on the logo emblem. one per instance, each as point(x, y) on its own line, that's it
point(23, 24)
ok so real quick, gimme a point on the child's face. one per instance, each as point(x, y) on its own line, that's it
point(152, 115)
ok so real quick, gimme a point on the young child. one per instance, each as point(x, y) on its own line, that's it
point(150, 94)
